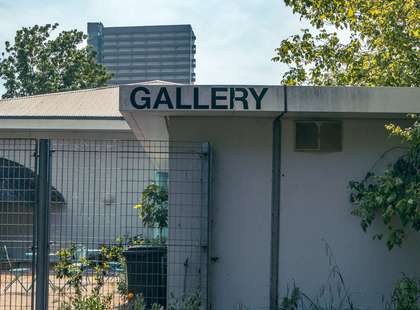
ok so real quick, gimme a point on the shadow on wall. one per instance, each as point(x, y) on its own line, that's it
point(17, 202)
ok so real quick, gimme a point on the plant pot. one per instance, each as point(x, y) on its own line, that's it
point(146, 272)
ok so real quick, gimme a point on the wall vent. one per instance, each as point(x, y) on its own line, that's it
point(318, 136)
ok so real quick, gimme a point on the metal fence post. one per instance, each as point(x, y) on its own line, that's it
point(206, 216)
point(42, 210)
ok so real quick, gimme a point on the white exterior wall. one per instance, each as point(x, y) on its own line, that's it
point(314, 207)
point(241, 205)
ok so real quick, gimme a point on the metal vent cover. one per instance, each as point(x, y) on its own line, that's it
point(318, 136)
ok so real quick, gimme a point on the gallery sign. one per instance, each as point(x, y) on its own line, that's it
point(200, 98)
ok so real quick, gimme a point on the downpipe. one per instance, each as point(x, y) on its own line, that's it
point(275, 206)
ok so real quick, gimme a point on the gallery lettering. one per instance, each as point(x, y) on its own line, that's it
point(220, 98)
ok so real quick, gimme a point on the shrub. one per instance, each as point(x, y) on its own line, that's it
point(72, 272)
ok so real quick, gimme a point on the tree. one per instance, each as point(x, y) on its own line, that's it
point(382, 48)
point(37, 64)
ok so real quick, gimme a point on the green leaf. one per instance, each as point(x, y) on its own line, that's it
point(36, 64)
point(393, 196)
point(381, 48)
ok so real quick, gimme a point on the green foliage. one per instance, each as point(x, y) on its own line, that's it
point(92, 302)
point(122, 282)
point(72, 270)
point(382, 48)
point(292, 300)
point(37, 64)
point(139, 304)
point(188, 302)
point(394, 196)
point(138, 240)
point(332, 295)
point(153, 207)
point(406, 294)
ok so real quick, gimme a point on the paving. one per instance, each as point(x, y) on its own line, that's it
point(19, 296)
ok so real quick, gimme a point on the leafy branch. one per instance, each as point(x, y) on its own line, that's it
point(394, 197)
point(381, 47)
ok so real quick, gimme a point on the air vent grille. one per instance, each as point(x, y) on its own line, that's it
point(318, 136)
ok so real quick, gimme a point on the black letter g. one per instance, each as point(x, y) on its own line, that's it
point(146, 100)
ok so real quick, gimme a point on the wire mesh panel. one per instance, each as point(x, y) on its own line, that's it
point(128, 224)
point(17, 204)
point(188, 222)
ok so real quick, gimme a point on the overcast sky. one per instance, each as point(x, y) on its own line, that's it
point(235, 38)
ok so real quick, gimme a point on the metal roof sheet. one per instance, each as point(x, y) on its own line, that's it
point(93, 103)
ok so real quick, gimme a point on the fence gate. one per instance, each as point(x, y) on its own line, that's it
point(113, 223)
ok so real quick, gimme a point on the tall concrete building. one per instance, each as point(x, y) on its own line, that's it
point(144, 53)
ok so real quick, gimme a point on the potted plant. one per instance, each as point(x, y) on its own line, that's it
point(153, 208)
point(147, 260)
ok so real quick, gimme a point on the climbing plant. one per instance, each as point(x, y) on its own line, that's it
point(394, 196)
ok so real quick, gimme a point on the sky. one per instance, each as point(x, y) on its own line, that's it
point(235, 38)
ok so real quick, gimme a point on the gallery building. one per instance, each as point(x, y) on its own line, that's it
point(282, 159)
point(257, 179)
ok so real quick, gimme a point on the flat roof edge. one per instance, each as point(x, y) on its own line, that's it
point(17, 117)
point(247, 99)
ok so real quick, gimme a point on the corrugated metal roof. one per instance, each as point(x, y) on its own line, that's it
point(156, 82)
point(88, 103)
